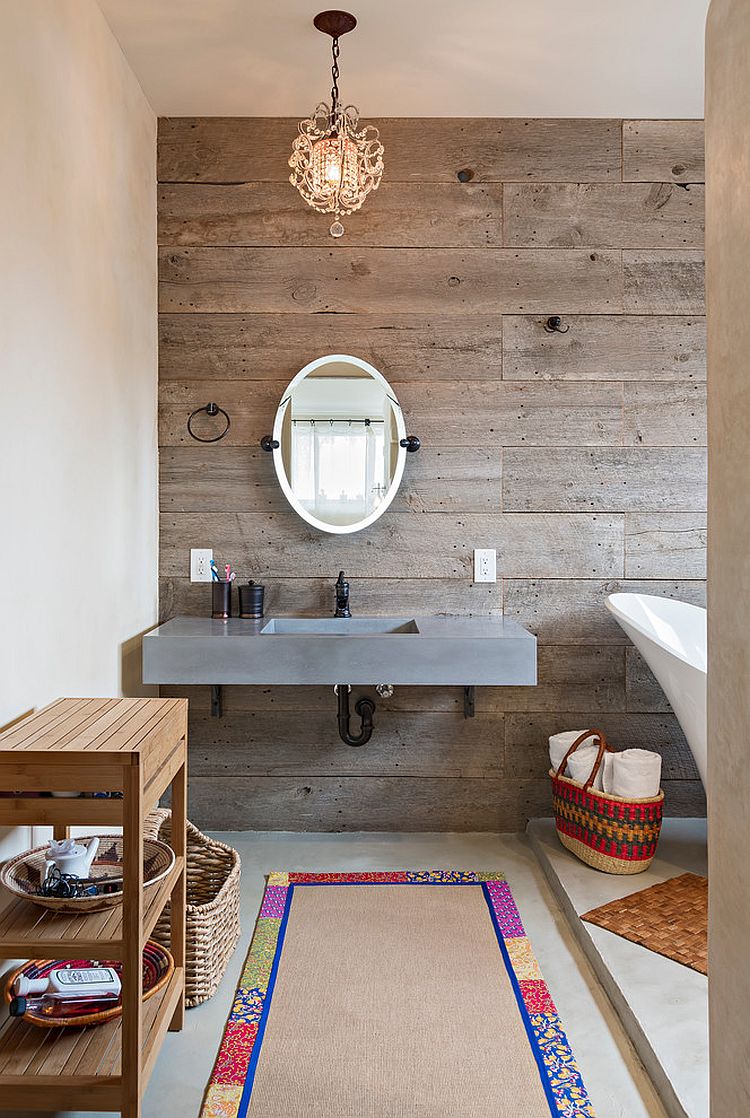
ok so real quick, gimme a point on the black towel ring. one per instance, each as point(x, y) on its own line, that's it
point(209, 409)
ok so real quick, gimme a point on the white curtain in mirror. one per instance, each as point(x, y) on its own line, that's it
point(339, 467)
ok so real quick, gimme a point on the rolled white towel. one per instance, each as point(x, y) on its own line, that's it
point(607, 771)
point(582, 762)
point(559, 744)
point(636, 774)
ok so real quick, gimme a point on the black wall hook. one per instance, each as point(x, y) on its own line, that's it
point(554, 325)
point(210, 409)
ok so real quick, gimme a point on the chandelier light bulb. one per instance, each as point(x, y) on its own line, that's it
point(335, 163)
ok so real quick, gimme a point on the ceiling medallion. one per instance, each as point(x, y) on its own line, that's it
point(335, 163)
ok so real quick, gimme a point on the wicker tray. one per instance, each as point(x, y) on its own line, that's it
point(213, 907)
point(158, 966)
point(23, 874)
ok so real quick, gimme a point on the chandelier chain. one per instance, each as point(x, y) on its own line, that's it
point(335, 51)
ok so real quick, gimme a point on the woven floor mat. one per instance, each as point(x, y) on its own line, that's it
point(670, 919)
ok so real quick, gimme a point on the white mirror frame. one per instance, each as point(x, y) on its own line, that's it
point(359, 525)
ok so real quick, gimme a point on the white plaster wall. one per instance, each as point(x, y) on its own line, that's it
point(78, 360)
point(728, 283)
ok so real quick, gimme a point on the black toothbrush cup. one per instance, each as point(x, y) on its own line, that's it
point(221, 599)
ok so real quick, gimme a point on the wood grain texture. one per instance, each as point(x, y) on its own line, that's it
point(235, 478)
point(381, 280)
point(437, 215)
point(665, 281)
point(665, 415)
point(393, 803)
point(616, 215)
point(606, 347)
point(301, 595)
point(256, 149)
point(402, 545)
point(663, 151)
point(491, 412)
point(671, 545)
point(626, 479)
point(252, 347)
point(575, 608)
point(576, 455)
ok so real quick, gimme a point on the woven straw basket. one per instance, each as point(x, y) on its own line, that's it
point(213, 907)
point(607, 832)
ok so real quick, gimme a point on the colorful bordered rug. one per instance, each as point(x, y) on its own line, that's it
point(392, 995)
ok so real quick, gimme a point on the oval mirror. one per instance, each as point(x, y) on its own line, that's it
point(339, 427)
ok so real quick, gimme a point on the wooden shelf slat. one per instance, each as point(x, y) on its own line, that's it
point(77, 1069)
point(33, 811)
point(27, 930)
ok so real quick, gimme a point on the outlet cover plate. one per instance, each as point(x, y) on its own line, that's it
point(200, 564)
point(485, 564)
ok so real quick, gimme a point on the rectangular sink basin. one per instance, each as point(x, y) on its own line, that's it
point(340, 626)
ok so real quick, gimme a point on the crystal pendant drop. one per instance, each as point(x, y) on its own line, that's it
point(337, 229)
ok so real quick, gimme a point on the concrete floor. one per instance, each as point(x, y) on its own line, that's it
point(663, 1004)
point(616, 1081)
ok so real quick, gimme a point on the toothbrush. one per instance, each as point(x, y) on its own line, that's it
point(227, 571)
point(214, 571)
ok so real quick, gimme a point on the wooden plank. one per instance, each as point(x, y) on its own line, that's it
point(256, 149)
point(611, 215)
point(569, 678)
point(402, 545)
point(437, 215)
point(606, 347)
point(275, 346)
point(664, 281)
point(665, 415)
point(623, 479)
point(366, 803)
point(663, 151)
point(527, 738)
point(382, 280)
point(314, 597)
point(665, 545)
point(404, 744)
point(572, 611)
point(234, 479)
point(488, 413)
point(643, 693)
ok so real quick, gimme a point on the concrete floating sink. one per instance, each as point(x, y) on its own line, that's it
point(430, 651)
point(339, 626)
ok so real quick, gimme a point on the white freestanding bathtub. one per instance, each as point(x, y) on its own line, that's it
point(671, 638)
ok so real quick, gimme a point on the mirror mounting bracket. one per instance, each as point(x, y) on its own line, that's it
point(269, 443)
point(411, 443)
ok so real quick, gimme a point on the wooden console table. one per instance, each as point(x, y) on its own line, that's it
point(137, 747)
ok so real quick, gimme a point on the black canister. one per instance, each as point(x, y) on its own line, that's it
point(221, 599)
point(251, 599)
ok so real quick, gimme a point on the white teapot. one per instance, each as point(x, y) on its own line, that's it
point(71, 857)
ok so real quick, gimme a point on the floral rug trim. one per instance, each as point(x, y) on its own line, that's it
point(228, 1092)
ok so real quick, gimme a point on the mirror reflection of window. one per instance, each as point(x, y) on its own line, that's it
point(340, 450)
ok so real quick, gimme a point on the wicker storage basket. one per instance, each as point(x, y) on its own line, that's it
point(607, 832)
point(213, 907)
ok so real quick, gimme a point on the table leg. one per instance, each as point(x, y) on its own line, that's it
point(132, 932)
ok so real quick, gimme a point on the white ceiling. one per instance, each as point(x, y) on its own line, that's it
point(620, 58)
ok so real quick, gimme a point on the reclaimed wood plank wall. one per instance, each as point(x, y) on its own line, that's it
point(579, 456)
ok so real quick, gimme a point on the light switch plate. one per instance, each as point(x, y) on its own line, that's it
point(485, 564)
point(200, 564)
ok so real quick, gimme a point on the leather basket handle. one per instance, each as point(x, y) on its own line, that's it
point(604, 747)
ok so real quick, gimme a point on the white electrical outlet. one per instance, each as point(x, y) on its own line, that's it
point(200, 564)
point(485, 564)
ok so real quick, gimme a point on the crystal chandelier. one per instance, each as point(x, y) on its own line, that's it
point(335, 163)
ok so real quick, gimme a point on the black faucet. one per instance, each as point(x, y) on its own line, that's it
point(342, 597)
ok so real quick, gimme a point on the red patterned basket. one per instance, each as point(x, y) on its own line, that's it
point(607, 832)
